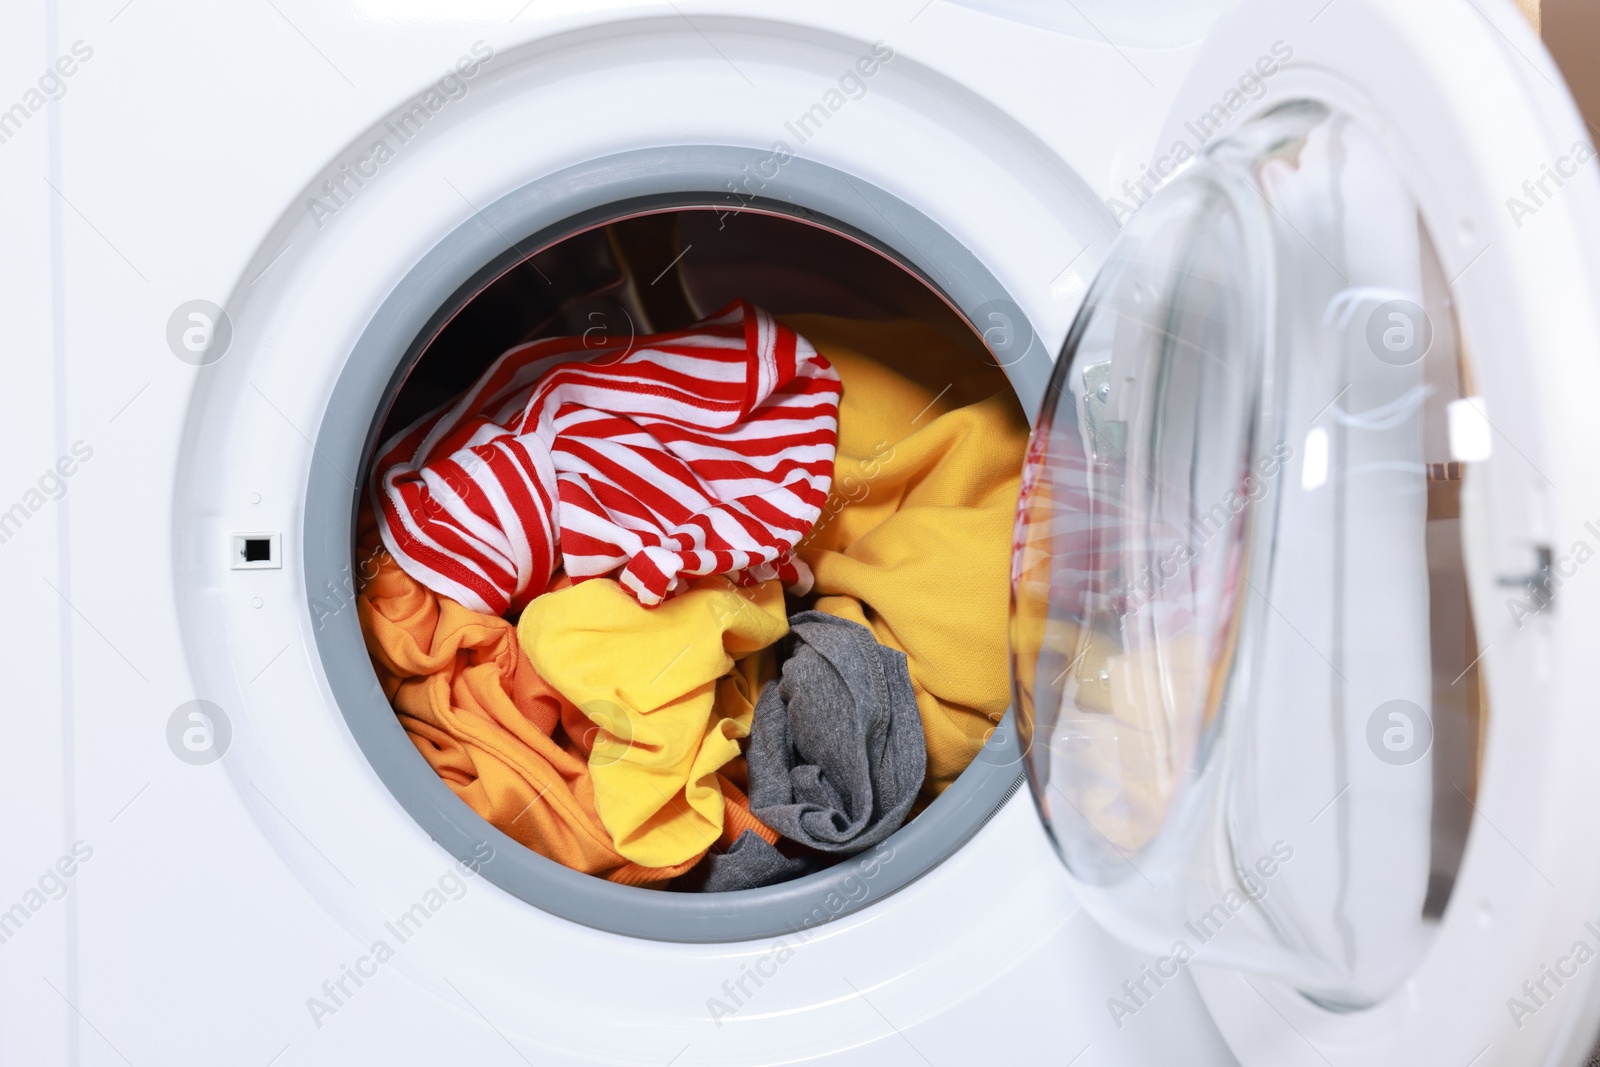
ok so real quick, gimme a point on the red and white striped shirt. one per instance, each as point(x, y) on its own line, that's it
point(708, 451)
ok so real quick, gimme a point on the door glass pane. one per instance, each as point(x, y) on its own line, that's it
point(1244, 656)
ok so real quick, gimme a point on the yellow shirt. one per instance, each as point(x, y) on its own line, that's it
point(915, 539)
point(661, 684)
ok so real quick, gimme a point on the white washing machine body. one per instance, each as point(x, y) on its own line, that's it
point(250, 908)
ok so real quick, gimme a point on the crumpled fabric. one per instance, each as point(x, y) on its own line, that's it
point(750, 863)
point(836, 754)
point(503, 739)
point(704, 451)
point(915, 538)
point(672, 690)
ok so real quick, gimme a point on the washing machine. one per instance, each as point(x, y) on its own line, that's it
point(1300, 296)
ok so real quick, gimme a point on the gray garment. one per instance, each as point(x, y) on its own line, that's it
point(836, 751)
point(749, 863)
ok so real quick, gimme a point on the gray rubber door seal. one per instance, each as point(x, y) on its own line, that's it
point(534, 217)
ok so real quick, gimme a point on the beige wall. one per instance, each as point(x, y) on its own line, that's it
point(1571, 30)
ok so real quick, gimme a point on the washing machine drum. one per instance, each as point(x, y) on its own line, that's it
point(1280, 581)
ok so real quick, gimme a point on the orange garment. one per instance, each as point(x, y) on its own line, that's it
point(499, 736)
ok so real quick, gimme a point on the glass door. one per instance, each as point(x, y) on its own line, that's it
point(1245, 659)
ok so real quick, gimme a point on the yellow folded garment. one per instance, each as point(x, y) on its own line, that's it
point(915, 539)
point(657, 683)
point(960, 373)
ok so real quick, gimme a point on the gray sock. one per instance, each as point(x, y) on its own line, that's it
point(836, 750)
point(749, 863)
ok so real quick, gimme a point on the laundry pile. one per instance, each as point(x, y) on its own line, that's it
point(705, 610)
